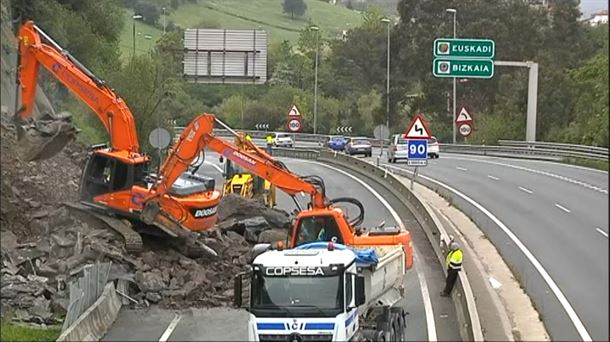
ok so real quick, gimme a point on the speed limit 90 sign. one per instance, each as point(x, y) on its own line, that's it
point(294, 125)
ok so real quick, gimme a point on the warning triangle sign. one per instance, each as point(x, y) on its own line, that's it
point(463, 116)
point(418, 129)
point(294, 111)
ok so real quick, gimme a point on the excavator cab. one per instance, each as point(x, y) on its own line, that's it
point(105, 173)
point(317, 228)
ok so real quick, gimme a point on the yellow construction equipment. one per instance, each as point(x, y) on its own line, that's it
point(242, 182)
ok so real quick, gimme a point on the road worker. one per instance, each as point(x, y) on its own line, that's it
point(269, 140)
point(248, 137)
point(454, 265)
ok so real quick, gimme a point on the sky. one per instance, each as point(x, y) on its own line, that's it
point(587, 7)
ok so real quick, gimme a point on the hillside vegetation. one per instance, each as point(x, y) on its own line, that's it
point(239, 14)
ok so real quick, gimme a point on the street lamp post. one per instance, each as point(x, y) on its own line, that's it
point(315, 86)
point(387, 87)
point(454, 11)
point(135, 17)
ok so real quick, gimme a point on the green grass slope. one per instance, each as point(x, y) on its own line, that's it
point(245, 14)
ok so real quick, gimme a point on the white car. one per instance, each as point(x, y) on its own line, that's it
point(283, 140)
point(433, 148)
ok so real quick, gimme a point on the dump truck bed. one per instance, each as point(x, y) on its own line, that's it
point(384, 280)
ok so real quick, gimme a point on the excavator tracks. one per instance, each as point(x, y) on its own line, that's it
point(131, 238)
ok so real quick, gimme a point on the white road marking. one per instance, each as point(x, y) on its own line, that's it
point(526, 190)
point(599, 230)
point(580, 328)
point(492, 177)
point(544, 173)
point(461, 168)
point(430, 324)
point(563, 208)
point(534, 161)
point(494, 282)
point(170, 328)
point(214, 166)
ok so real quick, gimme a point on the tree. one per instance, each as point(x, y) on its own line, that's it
point(149, 12)
point(293, 7)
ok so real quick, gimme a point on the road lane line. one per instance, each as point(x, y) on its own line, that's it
point(492, 177)
point(170, 328)
point(580, 327)
point(430, 324)
point(563, 208)
point(539, 172)
point(599, 230)
point(526, 190)
point(461, 168)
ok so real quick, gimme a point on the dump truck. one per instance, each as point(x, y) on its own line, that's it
point(324, 294)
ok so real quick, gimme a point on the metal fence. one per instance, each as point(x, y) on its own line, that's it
point(86, 290)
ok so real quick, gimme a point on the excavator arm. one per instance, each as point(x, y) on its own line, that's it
point(109, 107)
point(198, 136)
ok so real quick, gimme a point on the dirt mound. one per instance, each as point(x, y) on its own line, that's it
point(45, 246)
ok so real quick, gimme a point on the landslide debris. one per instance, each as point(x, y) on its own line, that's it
point(44, 246)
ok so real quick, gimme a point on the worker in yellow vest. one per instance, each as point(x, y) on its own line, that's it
point(454, 265)
point(269, 140)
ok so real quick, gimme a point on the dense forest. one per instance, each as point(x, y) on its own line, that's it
point(572, 91)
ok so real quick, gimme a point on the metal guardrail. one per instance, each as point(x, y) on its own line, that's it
point(86, 290)
point(506, 148)
point(543, 153)
point(470, 326)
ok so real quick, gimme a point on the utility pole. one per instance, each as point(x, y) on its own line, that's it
point(135, 17)
point(315, 87)
point(164, 20)
point(454, 11)
point(387, 87)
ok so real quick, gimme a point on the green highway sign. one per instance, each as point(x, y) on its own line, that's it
point(464, 48)
point(464, 68)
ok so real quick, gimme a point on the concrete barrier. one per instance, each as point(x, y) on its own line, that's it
point(93, 324)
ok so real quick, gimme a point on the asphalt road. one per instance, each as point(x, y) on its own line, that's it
point(229, 324)
point(559, 212)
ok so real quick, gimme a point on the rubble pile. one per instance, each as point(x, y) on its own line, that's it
point(44, 246)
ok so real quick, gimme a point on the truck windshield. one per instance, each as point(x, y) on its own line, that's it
point(298, 295)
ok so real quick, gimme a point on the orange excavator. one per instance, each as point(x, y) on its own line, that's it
point(323, 219)
point(115, 182)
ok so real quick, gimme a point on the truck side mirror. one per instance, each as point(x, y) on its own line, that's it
point(238, 296)
point(360, 297)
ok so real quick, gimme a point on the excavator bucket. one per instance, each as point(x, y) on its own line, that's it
point(44, 137)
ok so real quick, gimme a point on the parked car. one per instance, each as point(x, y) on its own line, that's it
point(283, 140)
point(433, 148)
point(336, 142)
point(359, 145)
point(397, 149)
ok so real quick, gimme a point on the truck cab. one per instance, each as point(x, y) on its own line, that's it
point(321, 294)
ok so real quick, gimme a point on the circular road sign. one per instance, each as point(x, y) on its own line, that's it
point(294, 125)
point(159, 138)
point(465, 129)
point(381, 132)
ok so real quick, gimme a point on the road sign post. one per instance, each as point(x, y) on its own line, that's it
point(417, 136)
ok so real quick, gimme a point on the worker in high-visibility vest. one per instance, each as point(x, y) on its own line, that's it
point(269, 140)
point(248, 137)
point(454, 265)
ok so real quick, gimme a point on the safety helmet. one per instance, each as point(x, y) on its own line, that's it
point(454, 245)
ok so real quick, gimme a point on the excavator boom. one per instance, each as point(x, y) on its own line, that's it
point(109, 107)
